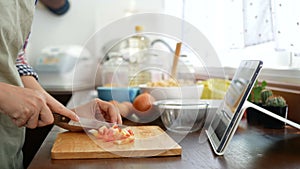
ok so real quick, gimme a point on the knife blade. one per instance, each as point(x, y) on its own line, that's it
point(93, 123)
point(67, 123)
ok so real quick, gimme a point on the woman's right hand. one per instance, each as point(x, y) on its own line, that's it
point(26, 107)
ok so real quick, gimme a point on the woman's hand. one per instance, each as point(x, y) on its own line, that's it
point(26, 107)
point(100, 110)
point(55, 106)
point(31, 106)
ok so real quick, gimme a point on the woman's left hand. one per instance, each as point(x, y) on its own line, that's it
point(100, 110)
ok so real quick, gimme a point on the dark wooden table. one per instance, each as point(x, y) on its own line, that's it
point(251, 147)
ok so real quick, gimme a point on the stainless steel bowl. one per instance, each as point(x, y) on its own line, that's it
point(182, 116)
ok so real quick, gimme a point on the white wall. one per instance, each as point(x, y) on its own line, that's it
point(73, 28)
point(84, 18)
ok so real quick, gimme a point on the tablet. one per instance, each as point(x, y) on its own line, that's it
point(227, 117)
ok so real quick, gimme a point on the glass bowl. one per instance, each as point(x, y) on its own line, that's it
point(183, 116)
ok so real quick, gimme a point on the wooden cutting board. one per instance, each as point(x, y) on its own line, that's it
point(149, 141)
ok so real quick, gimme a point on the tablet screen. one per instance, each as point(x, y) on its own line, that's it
point(229, 113)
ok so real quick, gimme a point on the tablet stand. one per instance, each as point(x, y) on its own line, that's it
point(248, 104)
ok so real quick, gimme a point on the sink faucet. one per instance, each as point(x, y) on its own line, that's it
point(163, 42)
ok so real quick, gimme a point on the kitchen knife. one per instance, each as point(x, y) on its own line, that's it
point(67, 123)
point(92, 123)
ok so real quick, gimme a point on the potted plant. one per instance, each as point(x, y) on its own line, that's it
point(254, 116)
point(277, 105)
point(264, 98)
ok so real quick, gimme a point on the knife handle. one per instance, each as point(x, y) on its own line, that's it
point(62, 121)
point(58, 118)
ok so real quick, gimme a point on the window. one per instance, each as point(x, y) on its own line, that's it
point(268, 30)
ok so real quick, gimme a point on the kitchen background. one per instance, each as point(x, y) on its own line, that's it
point(237, 30)
point(268, 30)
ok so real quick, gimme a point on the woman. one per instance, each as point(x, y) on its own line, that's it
point(23, 102)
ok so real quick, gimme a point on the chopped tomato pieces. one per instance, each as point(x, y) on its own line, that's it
point(114, 134)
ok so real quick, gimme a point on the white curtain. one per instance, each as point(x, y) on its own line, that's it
point(265, 21)
point(241, 29)
point(258, 24)
point(250, 22)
